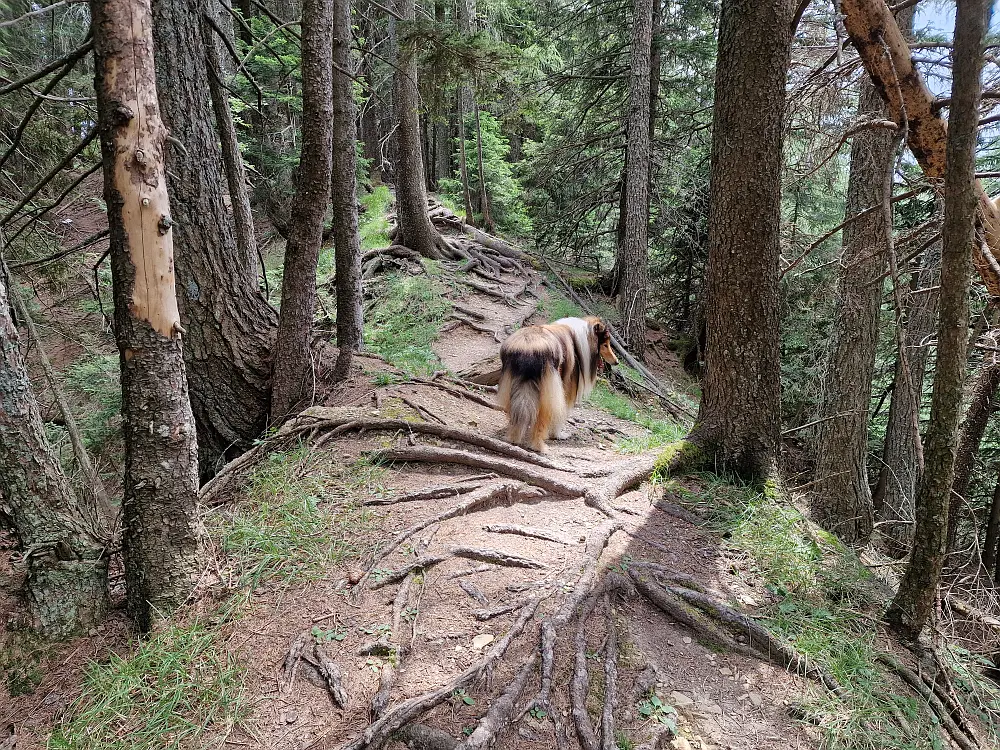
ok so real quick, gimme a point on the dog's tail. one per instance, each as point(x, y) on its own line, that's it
point(534, 406)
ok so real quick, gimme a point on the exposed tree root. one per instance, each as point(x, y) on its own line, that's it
point(423, 737)
point(332, 676)
point(472, 571)
point(437, 492)
point(474, 592)
point(393, 576)
point(610, 681)
point(677, 511)
point(579, 686)
point(290, 666)
point(460, 320)
point(421, 410)
point(460, 392)
point(528, 531)
point(501, 713)
point(376, 735)
point(932, 700)
point(488, 614)
point(498, 557)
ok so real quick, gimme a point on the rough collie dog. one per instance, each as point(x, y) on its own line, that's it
point(547, 369)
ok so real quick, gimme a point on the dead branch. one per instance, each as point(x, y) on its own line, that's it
point(376, 735)
point(290, 665)
point(82, 245)
point(497, 557)
point(69, 58)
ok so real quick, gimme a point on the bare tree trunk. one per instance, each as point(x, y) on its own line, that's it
point(914, 602)
point(236, 175)
point(484, 200)
point(344, 198)
point(842, 499)
point(67, 561)
point(633, 251)
point(470, 216)
point(738, 421)
point(414, 228)
point(230, 327)
point(161, 525)
point(970, 436)
point(897, 485)
point(293, 371)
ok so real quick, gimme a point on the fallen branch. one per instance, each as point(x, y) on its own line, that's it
point(332, 675)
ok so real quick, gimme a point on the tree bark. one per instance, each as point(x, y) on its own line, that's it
point(886, 56)
point(464, 96)
point(230, 327)
point(415, 230)
point(992, 541)
point(161, 526)
point(897, 484)
point(344, 198)
point(236, 175)
point(67, 562)
point(293, 371)
point(484, 199)
point(970, 435)
point(634, 247)
point(738, 421)
point(914, 602)
point(842, 500)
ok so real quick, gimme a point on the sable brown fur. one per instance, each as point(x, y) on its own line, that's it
point(545, 371)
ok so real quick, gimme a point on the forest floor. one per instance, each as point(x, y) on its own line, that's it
point(326, 546)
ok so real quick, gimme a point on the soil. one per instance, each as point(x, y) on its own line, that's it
point(722, 700)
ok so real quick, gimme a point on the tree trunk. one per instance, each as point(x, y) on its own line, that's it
point(67, 562)
point(230, 327)
point(914, 602)
point(969, 437)
point(236, 175)
point(842, 501)
point(897, 485)
point(470, 217)
point(160, 518)
point(886, 56)
point(293, 371)
point(484, 200)
point(992, 542)
point(344, 198)
point(738, 421)
point(634, 248)
point(414, 225)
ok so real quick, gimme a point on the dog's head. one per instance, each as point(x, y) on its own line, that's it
point(602, 342)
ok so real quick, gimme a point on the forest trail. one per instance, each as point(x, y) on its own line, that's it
point(477, 572)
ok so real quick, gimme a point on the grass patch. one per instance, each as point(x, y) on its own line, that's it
point(179, 685)
point(299, 517)
point(825, 603)
point(555, 306)
point(407, 315)
point(660, 432)
point(373, 227)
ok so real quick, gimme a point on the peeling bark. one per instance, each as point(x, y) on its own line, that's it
point(161, 526)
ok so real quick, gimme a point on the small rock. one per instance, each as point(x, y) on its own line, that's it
point(686, 639)
point(756, 699)
point(671, 644)
point(679, 700)
point(743, 697)
point(291, 716)
point(460, 648)
point(711, 709)
point(482, 641)
point(680, 743)
point(725, 671)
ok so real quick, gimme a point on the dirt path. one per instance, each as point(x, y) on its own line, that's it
point(481, 569)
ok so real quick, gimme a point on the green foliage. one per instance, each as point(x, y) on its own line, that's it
point(373, 227)
point(176, 690)
point(653, 709)
point(503, 189)
point(659, 431)
point(96, 379)
point(404, 321)
point(21, 655)
point(299, 517)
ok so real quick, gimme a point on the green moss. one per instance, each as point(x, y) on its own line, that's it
point(408, 313)
point(680, 453)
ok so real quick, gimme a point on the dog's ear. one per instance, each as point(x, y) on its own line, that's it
point(599, 329)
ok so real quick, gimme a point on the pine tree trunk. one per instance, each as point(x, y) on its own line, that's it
point(236, 175)
point(633, 251)
point(344, 198)
point(160, 518)
point(230, 327)
point(970, 436)
point(842, 499)
point(470, 216)
point(68, 563)
point(738, 421)
point(897, 485)
point(914, 602)
point(293, 371)
point(414, 224)
point(484, 200)
point(992, 541)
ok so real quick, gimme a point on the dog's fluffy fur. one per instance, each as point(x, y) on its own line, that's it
point(546, 370)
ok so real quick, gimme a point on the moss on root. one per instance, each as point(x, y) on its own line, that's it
point(678, 456)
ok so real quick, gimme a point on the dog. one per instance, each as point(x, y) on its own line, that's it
point(545, 371)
